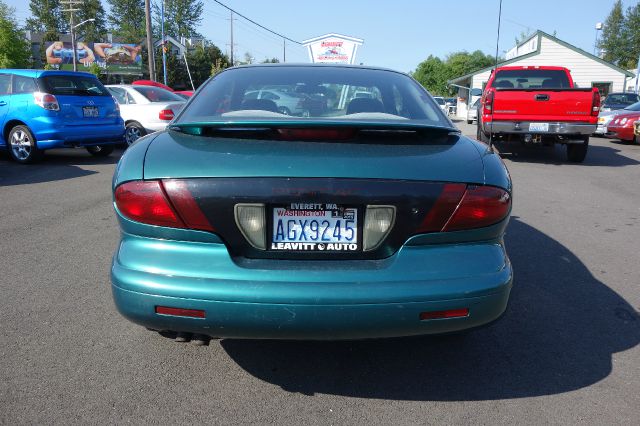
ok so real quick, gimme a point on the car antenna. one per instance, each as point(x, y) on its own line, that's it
point(495, 70)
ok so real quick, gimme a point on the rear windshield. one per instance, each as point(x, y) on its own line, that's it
point(621, 99)
point(532, 79)
point(157, 94)
point(73, 85)
point(319, 93)
point(634, 107)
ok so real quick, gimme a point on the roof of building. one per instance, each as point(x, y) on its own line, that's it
point(541, 34)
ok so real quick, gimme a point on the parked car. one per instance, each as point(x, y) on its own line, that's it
point(441, 103)
point(604, 118)
point(472, 112)
point(41, 110)
point(622, 127)
point(186, 94)
point(615, 101)
point(377, 220)
point(290, 103)
point(145, 109)
point(538, 105)
point(452, 105)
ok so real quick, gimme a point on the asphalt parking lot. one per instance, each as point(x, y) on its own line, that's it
point(566, 351)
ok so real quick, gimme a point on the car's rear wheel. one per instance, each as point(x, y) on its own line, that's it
point(100, 150)
point(480, 135)
point(22, 145)
point(133, 132)
point(576, 152)
point(469, 121)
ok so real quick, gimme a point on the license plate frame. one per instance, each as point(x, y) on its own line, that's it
point(90, 112)
point(330, 212)
point(539, 127)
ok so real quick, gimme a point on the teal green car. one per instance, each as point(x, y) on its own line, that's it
point(361, 216)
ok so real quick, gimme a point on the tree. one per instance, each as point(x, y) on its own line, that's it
point(127, 21)
point(612, 41)
point(181, 17)
point(15, 50)
point(46, 18)
point(91, 31)
point(434, 73)
point(204, 60)
point(631, 36)
point(271, 61)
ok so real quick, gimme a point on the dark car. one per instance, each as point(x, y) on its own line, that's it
point(619, 101)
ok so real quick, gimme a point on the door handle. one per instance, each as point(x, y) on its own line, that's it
point(2, 103)
point(542, 97)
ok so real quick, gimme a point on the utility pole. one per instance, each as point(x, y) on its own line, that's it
point(70, 5)
point(284, 50)
point(231, 49)
point(164, 50)
point(150, 50)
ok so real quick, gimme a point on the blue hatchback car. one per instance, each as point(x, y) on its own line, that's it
point(40, 110)
point(362, 218)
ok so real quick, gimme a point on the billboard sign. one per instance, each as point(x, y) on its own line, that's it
point(333, 49)
point(113, 58)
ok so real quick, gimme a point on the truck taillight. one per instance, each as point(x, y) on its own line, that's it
point(461, 207)
point(46, 101)
point(595, 103)
point(166, 114)
point(155, 203)
point(487, 105)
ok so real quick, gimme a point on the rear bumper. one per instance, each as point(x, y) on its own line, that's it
point(56, 135)
point(623, 133)
point(345, 300)
point(555, 128)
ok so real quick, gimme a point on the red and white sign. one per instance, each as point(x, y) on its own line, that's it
point(333, 48)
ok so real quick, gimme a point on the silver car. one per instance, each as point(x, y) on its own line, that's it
point(145, 109)
point(472, 112)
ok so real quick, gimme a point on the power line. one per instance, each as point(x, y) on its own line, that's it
point(255, 23)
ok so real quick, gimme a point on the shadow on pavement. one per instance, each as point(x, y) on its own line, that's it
point(58, 164)
point(608, 156)
point(558, 335)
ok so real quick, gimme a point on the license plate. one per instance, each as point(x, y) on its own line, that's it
point(538, 127)
point(90, 111)
point(315, 227)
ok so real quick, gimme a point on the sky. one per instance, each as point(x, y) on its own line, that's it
point(397, 34)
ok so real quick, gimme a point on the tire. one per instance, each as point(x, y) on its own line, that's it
point(22, 145)
point(469, 121)
point(100, 150)
point(576, 153)
point(480, 135)
point(133, 131)
point(284, 110)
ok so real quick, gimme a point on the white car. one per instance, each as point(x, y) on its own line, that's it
point(472, 112)
point(442, 104)
point(145, 109)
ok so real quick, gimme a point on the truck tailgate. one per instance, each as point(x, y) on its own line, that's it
point(568, 105)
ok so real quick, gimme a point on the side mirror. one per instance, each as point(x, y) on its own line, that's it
point(476, 92)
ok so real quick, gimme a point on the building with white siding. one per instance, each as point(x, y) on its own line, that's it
point(541, 48)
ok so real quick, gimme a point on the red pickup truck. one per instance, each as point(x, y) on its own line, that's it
point(538, 105)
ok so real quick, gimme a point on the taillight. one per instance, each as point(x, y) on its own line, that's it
point(46, 101)
point(595, 102)
point(462, 207)
point(152, 203)
point(487, 105)
point(166, 114)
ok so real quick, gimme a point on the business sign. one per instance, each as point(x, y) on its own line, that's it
point(113, 58)
point(333, 49)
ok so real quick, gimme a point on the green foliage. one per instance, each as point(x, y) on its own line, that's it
point(15, 50)
point(94, 69)
point(46, 17)
point(126, 19)
point(181, 17)
point(631, 35)
point(612, 40)
point(433, 73)
point(271, 61)
point(203, 61)
point(91, 31)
